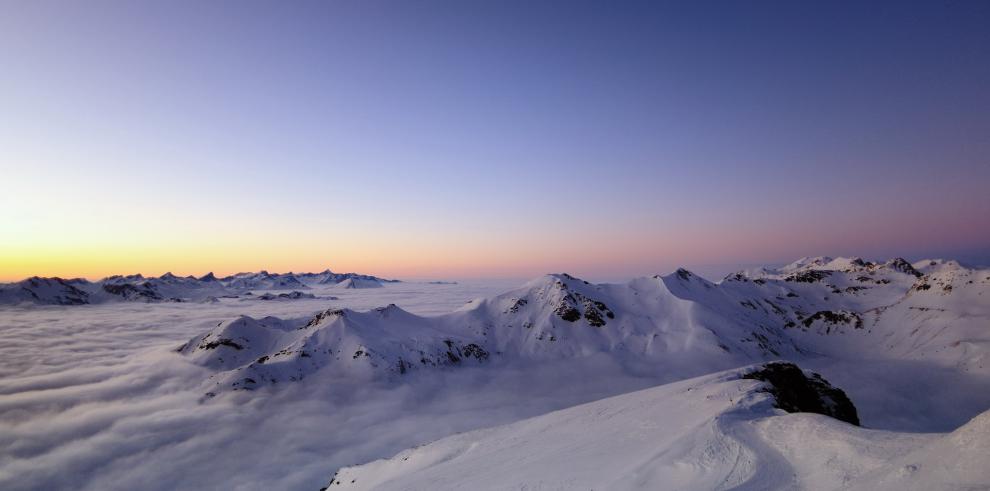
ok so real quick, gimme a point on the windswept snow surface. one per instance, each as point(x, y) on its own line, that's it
point(226, 393)
point(713, 432)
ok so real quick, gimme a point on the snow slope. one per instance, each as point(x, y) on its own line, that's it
point(718, 431)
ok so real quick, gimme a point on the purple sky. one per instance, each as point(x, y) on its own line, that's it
point(472, 138)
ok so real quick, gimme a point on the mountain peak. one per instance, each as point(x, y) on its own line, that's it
point(900, 264)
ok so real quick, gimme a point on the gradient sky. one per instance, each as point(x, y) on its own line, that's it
point(499, 138)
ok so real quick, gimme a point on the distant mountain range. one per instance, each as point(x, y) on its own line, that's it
point(171, 288)
point(933, 310)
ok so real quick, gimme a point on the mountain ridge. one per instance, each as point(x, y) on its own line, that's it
point(679, 322)
point(166, 288)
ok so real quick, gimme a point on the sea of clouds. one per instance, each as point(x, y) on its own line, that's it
point(96, 398)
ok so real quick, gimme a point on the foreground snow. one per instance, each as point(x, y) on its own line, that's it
point(717, 431)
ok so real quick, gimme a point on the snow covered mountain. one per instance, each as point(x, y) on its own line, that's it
point(356, 283)
point(263, 281)
point(328, 277)
point(680, 323)
point(168, 287)
point(52, 291)
point(556, 316)
point(249, 352)
point(728, 430)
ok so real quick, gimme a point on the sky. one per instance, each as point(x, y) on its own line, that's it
point(469, 139)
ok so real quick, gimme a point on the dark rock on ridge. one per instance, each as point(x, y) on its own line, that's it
point(796, 392)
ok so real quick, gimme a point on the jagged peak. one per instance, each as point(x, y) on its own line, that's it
point(565, 277)
point(684, 276)
point(901, 264)
point(828, 263)
point(806, 262)
point(390, 310)
point(130, 277)
point(559, 280)
point(46, 280)
point(331, 313)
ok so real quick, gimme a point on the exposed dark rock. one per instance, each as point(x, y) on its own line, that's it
point(810, 276)
point(518, 304)
point(568, 312)
point(221, 342)
point(594, 318)
point(763, 342)
point(834, 318)
point(318, 318)
point(903, 266)
point(131, 291)
point(294, 295)
point(603, 308)
point(793, 391)
point(68, 293)
point(475, 351)
point(860, 263)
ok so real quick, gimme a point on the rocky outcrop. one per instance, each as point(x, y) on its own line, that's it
point(795, 390)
